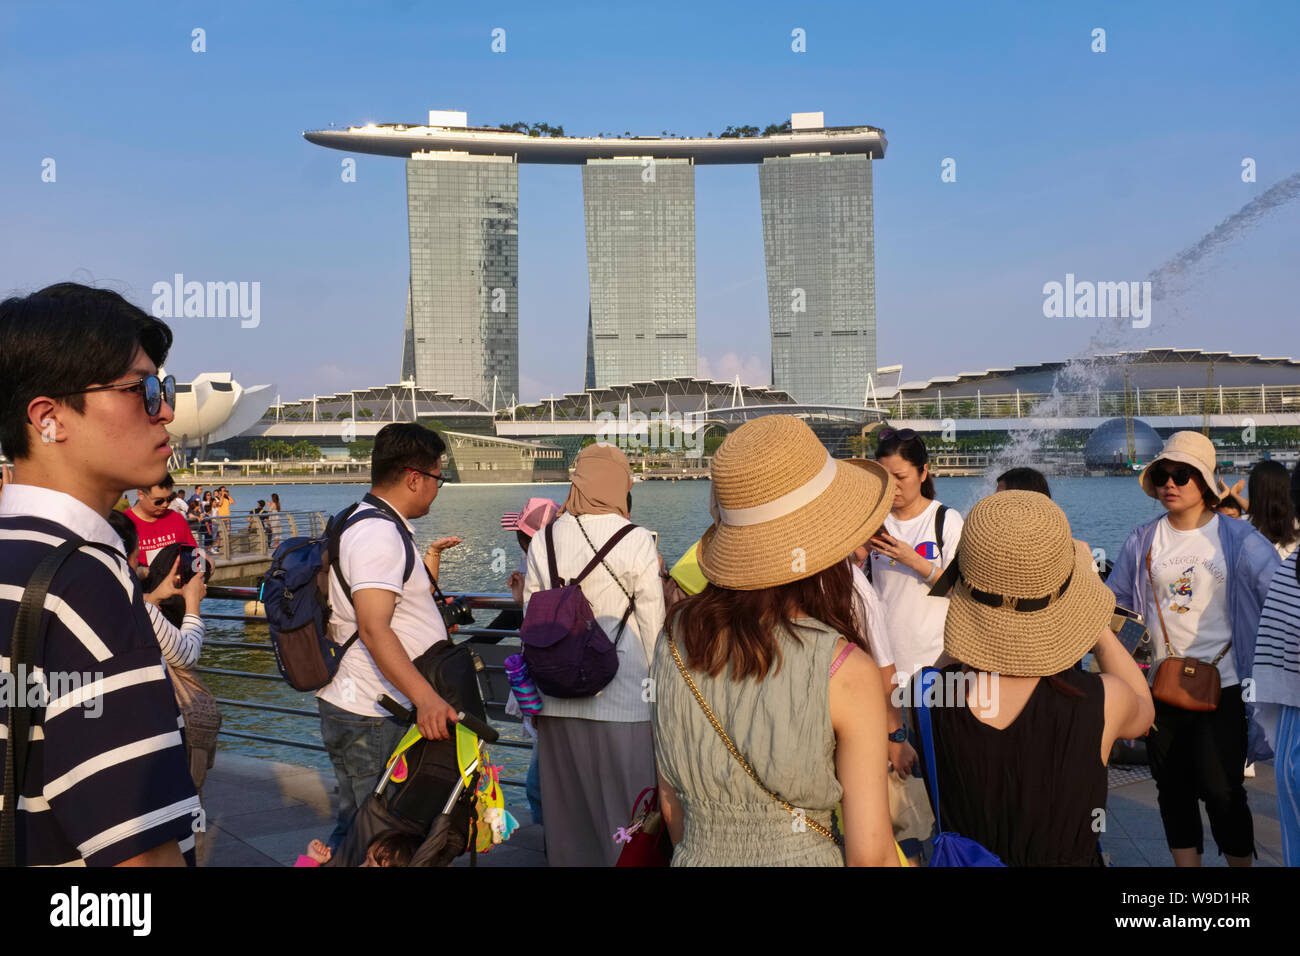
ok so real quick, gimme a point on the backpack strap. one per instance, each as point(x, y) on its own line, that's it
point(26, 637)
point(334, 535)
point(605, 549)
point(550, 558)
point(938, 529)
point(927, 677)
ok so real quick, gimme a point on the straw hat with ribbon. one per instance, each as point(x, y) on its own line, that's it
point(783, 508)
point(1026, 598)
point(1189, 448)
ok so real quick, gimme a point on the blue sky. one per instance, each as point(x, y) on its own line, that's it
point(1099, 164)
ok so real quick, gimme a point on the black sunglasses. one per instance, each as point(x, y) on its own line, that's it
point(1181, 475)
point(153, 390)
point(428, 474)
point(902, 434)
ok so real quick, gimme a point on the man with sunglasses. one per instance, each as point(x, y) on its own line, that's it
point(1199, 580)
point(385, 615)
point(83, 415)
point(156, 522)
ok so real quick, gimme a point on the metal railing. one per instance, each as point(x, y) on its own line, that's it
point(1095, 403)
point(492, 654)
point(245, 534)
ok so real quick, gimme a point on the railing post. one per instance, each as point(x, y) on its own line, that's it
point(259, 535)
point(293, 525)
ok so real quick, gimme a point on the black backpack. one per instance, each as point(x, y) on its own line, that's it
point(295, 593)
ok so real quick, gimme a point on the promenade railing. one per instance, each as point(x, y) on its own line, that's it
point(1094, 403)
point(491, 645)
point(245, 534)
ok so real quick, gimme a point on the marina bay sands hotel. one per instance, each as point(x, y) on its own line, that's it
point(462, 185)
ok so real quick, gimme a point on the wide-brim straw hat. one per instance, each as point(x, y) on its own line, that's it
point(1027, 600)
point(783, 508)
point(1189, 448)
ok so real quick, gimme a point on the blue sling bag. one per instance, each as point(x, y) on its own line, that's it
point(950, 849)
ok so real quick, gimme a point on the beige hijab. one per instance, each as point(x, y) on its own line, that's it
point(602, 479)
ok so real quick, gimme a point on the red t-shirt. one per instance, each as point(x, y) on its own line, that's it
point(156, 535)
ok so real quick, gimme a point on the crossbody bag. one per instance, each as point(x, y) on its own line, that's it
point(1184, 682)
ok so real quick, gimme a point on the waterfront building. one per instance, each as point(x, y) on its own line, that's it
point(639, 198)
point(640, 217)
point(818, 240)
point(1170, 389)
point(462, 327)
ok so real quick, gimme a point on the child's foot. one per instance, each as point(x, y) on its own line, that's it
point(319, 852)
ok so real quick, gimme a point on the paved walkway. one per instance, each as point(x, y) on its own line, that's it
point(264, 813)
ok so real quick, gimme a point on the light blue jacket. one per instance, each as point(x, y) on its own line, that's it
point(1251, 561)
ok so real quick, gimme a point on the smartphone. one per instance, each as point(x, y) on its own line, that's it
point(1133, 634)
point(655, 535)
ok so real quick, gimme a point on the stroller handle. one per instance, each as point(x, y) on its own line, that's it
point(482, 729)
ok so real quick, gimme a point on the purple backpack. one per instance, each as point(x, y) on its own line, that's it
point(567, 652)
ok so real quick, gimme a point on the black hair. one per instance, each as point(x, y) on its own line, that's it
point(125, 529)
point(1024, 479)
point(64, 338)
point(1272, 510)
point(394, 848)
point(167, 482)
point(401, 445)
point(912, 450)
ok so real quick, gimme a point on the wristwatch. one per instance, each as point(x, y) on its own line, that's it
point(898, 736)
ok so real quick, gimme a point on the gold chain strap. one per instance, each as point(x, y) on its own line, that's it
point(699, 698)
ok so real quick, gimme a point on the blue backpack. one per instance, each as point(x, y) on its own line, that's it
point(950, 849)
point(295, 593)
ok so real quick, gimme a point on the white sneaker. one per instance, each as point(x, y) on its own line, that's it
point(1249, 772)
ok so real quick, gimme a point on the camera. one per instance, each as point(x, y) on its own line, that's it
point(457, 612)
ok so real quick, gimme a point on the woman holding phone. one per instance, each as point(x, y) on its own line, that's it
point(907, 557)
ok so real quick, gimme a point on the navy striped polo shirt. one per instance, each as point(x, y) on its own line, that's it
point(107, 775)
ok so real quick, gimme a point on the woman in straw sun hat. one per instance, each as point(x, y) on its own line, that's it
point(1021, 736)
point(1200, 581)
point(766, 714)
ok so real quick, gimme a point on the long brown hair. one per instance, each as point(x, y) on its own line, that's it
point(723, 628)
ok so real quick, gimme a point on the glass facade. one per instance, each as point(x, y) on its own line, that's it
point(641, 268)
point(819, 243)
point(463, 316)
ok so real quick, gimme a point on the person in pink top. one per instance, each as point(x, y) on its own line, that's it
point(156, 523)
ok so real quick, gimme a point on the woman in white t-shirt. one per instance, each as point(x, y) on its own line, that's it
point(919, 539)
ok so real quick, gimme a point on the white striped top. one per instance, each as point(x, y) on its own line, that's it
point(180, 646)
point(1277, 648)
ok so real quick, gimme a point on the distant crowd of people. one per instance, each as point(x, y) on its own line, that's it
point(773, 686)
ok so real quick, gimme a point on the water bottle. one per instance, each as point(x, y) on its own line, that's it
point(526, 692)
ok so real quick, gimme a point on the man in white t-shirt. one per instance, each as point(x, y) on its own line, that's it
point(393, 614)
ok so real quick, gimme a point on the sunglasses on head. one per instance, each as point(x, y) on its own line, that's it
point(902, 434)
point(1181, 474)
point(153, 391)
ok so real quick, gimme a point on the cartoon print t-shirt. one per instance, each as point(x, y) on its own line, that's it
point(1190, 575)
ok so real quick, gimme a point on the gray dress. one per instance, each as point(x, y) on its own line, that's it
point(782, 724)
